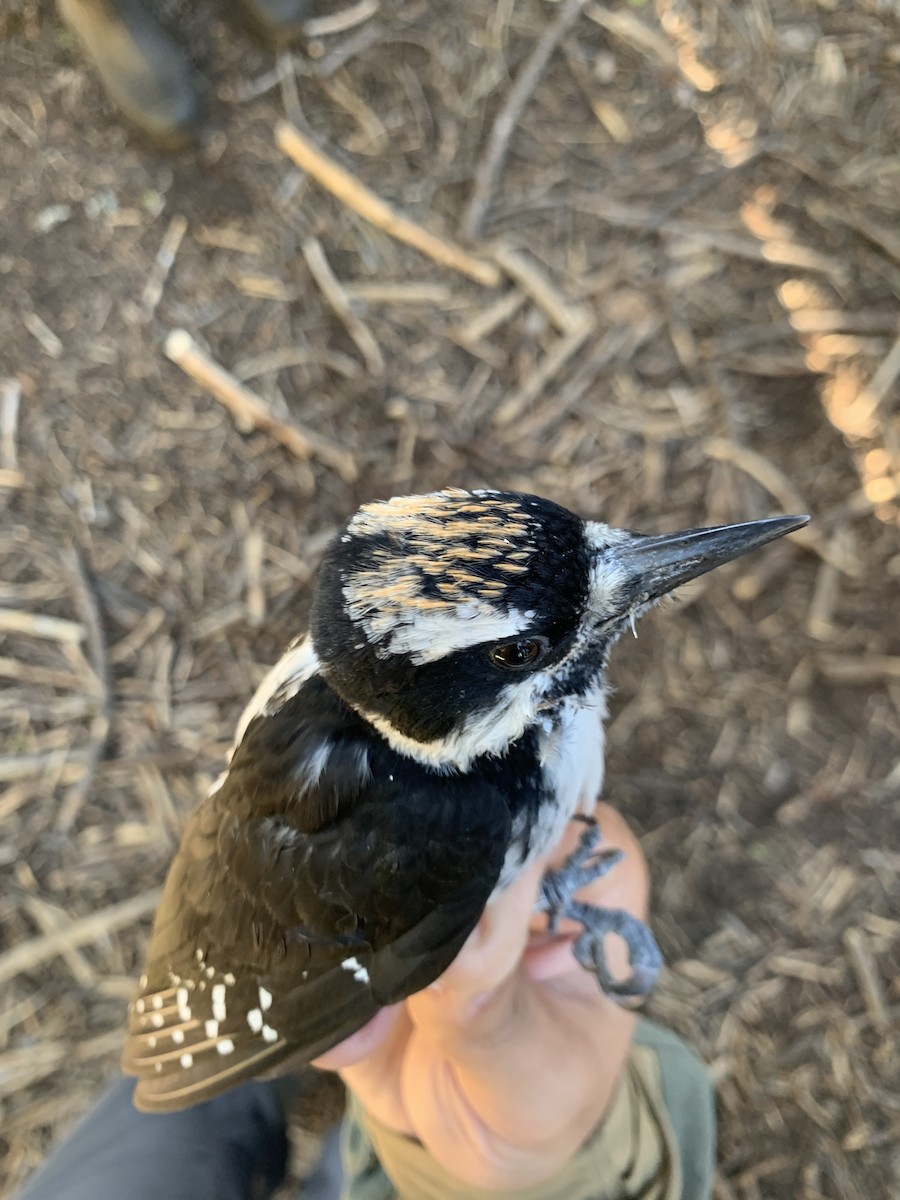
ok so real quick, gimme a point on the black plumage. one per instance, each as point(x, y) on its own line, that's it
point(396, 768)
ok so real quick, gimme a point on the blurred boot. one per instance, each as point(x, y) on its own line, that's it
point(142, 68)
point(277, 22)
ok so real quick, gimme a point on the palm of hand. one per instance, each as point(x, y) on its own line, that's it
point(507, 1063)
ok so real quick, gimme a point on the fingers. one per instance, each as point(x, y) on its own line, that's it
point(492, 951)
point(362, 1044)
point(509, 1060)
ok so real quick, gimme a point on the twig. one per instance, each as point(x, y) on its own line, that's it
point(10, 399)
point(341, 21)
point(510, 114)
point(358, 42)
point(296, 356)
point(88, 610)
point(531, 279)
point(63, 762)
point(551, 364)
point(358, 197)
point(246, 406)
point(860, 668)
point(339, 302)
point(496, 314)
point(863, 964)
point(54, 629)
point(629, 28)
point(39, 329)
point(399, 293)
point(31, 954)
point(162, 265)
point(49, 920)
point(287, 81)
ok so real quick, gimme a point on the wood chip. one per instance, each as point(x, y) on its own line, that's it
point(39, 329)
point(864, 967)
point(162, 265)
point(10, 400)
point(54, 629)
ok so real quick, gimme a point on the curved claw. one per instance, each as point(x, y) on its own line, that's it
point(644, 957)
point(585, 864)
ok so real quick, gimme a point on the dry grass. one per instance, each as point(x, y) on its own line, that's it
point(693, 216)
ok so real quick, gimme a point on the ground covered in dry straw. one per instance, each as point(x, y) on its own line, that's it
point(664, 292)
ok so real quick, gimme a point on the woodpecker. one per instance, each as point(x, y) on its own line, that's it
point(433, 733)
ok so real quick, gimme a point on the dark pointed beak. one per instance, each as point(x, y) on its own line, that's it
point(658, 564)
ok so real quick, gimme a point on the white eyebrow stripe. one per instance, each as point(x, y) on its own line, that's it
point(427, 635)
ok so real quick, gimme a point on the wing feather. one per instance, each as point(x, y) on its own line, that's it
point(296, 908)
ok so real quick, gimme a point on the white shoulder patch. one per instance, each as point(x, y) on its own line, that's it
point(284, 680)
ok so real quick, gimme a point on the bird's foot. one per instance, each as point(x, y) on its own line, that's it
point(586, 863)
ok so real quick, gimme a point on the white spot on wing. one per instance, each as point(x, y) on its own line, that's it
point(225, 1046)
point(265, 999)
point(255, 1019)
point(186, 1060)
point(211, 1028)
point(218, 1001)
point(269, 1034)
point(177, 1036)
point(359, 971)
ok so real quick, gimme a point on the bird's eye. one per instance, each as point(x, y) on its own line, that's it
point(514, 656)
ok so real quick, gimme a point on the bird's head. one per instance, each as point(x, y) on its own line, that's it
point(452, 621)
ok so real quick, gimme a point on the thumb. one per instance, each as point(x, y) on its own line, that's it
point(470, 1001)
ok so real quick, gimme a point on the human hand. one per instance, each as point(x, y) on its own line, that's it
point(505, 1065)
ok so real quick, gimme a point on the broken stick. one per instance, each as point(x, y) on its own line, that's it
point(357, 196)
point(245, 406)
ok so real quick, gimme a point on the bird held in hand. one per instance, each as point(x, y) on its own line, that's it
point(402, 763)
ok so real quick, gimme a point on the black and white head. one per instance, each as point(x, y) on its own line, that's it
point(453, 621)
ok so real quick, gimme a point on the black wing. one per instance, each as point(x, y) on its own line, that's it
point(309, 890)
